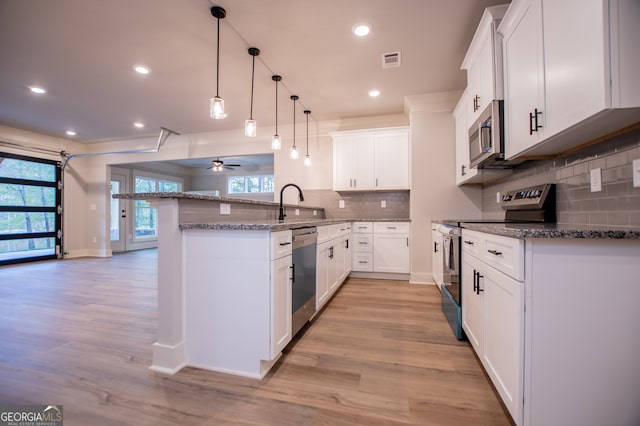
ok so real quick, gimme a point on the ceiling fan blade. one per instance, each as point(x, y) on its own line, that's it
point(234, 165)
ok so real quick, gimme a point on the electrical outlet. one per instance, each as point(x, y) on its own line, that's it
point(225, 208)
point(341, 204)
point(596, 180)
point(297, 212)
point(315, 212)
point(383, 204)
point(636, 173)
point(498, 197)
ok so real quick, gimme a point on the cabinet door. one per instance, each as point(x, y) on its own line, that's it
point(437, 258)
point(523, 76)
point(504, 336)
point(576, 95)
point(281, 304)
point(392, 159)
point(336, 266)
point(364, 174)
point(472, 304)
point(343, 163)
point(322, 274)
point(391, 253)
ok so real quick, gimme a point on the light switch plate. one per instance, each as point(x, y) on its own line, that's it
point(596, 180)
point(636, 173)
point(225, 208)
point(383, 204)
point(297, 212)
point(498, 197)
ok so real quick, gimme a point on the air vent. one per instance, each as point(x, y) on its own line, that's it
point(391, 60)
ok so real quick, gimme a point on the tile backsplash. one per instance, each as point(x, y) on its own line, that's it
point(616, 205)
point(362, 205)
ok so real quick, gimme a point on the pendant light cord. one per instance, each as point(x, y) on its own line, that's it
point(253, 69)
point(294, 120)
point(218, 60)
point(276, 106)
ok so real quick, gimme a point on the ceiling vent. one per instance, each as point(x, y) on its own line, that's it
point(391, 60)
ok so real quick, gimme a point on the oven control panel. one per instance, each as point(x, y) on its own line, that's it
point(529, 198)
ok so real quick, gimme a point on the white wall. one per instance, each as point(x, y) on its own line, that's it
point(434, 194)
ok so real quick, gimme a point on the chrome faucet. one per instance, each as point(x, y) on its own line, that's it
point(300, 196)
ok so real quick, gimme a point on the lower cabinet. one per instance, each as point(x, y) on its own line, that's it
point(333, 261)
point(280, 304)
point(437, 259)
point(493, 319)
point(391, 247)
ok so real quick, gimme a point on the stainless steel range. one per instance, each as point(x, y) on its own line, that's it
point(535, 204)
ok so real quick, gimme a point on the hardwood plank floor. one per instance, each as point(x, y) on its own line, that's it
point(79, 333)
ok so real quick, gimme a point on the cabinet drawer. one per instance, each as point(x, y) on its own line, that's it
point(280, 244)
point(505, 254)
point(343, 229)
point(471, 242)
point(363, 227)
point(363, 243)
point(391, 227)
point(362, 262)
point(327, 232)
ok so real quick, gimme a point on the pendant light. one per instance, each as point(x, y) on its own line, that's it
point(294, 151)
point(307, 159)
point(250, 124)
point(276, 143)
point(216, 104)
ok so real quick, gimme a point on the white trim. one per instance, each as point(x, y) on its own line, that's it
point(168, 359)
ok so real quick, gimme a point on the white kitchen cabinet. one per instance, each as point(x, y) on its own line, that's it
point(362, 247)
point(570, 72)
point(369, 160)
point(555, 341)
point(437, 259)
point(391, 247)
point(483, 63)
point(333, 261)
point(493, 315)
point(281, 304)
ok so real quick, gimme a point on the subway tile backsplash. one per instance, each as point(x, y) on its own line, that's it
point(617, 205)
point(362, 205)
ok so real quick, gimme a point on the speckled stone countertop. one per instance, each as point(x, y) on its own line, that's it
point(194, 196)
point(275, 225)
point(516, 230)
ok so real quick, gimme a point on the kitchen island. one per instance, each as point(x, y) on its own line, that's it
point(224, 290)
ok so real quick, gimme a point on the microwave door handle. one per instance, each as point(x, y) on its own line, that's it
point(485, 135)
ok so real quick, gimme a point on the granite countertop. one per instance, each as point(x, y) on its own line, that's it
point(275, 225)
point(552, 230)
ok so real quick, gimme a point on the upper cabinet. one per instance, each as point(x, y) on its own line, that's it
point(370, 160)
point(570, 72)
point(483, 63)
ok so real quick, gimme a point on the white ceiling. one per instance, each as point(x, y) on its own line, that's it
point(83, 52)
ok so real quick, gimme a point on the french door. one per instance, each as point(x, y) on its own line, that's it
point(30, 209)
point(118, 213)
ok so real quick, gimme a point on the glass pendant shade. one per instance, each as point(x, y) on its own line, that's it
point(276, 143)
point(294, 153)
point(217, 108)
point(307, 160)
point(250, 128)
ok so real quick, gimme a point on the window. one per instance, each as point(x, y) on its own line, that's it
point(30, 218)
point(146, 217)
point(249, 184)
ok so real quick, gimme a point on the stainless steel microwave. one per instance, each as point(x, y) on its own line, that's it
point(486, 138)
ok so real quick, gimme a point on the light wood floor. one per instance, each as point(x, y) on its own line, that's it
point(79, 333)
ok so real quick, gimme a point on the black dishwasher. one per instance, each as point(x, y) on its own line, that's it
point(303, 288)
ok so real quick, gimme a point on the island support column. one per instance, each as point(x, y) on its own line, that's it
point(168, 351)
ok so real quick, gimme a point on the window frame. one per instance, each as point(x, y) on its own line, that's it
point(157, 179)
point(246, 179)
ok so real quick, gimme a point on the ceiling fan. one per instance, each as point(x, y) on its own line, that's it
point(218, 165)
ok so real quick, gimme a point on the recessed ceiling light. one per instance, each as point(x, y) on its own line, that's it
point(141, 69)
point(37, 90)
point(138, 124)
point(70, 133)
point(374, 93)
point(361, 30)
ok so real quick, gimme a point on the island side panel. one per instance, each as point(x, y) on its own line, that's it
point(168, 351)
point(227, 300)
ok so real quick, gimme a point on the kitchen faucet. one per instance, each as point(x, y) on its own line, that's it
point(300, 196)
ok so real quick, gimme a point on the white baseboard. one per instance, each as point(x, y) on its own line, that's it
point(168, 359)
point(421, 278)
